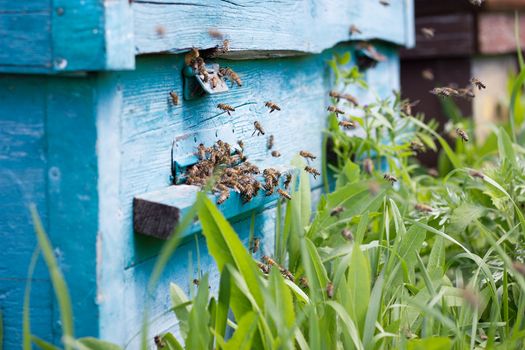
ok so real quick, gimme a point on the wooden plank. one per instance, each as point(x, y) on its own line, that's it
point(262, 28)
point(137, 123)
point(455, 36)
point(426, 7)
point(496, 33)
point(504, 5)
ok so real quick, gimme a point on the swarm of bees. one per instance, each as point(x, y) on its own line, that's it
point(269, 263)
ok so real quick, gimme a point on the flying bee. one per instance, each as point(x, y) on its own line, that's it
point(223, 197)
point(477, 83)
point(406, 106)
point(255, 245)
point(230, 75)
point(303, 282)
point(384, 2)
point(347, 124)
point(226, 108)
point(476, 2)
point(273, 106)
point(190, 57)
point(287, 180)
point(196, 281)
point(276, 154)
point(433, 172)
point(334, 109)
point(269, 144)
point(241, 144)
point(461, 133)
point(467, 93)
point(201, 151)
point(312, 171)
point(349, 98)
point(428, 32)
point(444, 91)
point(257, 128)
point(519, 267)
point(472, 298)
point(354, 30)
point(368, 166)
point(423, 208)
point(427, 74)
point(214, 81)
point(417, 146)
point(159, 342)
point(174, 98)
point(336, 211)
point(347, 234)
point(215, 33)
point(477, 174)
point(307, 155)
point(330, 290)
point(390, 178)
point(264, 268)
point(284, 194)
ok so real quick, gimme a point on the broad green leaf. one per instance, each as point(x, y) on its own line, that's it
point(243, 335)
point(179, 301)
point(464, 215)
point(281, 300)
point(359, 281)
point(171, 342)
point(315, 271)
point(433, 343)
point(57, 280)
point(42, 344)
point(223, 303)
point(198, 337)
point(348, 175)
point(349, 324)
point(97, 344)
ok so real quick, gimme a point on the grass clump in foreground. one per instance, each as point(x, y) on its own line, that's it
point(426, 263)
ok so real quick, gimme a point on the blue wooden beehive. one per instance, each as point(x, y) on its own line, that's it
point(87, 126)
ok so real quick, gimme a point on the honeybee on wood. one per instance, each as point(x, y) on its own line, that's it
point(191, 56)
point(354, 30)
point(284, 194)
point(276, 154)
point(477, 83)
point(287, 180)
point(273, 106)
point(423, 208)
point(347, 124)
point(390, 178)
point(347, 234)
point(160, 31)
point(159, 342)
point(461, 133)
point(428, 32)
point(427, 74)
point(406, 106)
point(368, 166)
point(201, 152)
point(174, 98)
point(214, 81)
point(519, 267)
point(198, 64)
point(269, 144)
point(264, 268)
point(223, 197)
point(336, 211)
point(312, 171)
point(226, 108)
point(334, 109)
point(475, 173)
point(417, 146)
point(258, 128)
point(205, 76)
point(330, 290)
point(255, 245)
point(307, 155)
point(215, 33)
point(229, 74)
point(225, 45)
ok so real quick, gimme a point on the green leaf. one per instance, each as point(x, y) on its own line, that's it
point(223, 304)
point(281, 301)
point(433, 343)
point(464, 215)
point(57, 280)
point(358, 287)
point(348, 175)
point(436, 259)
point(350, 326)
point(42, 344)
point(97, 344)
point(199, 319)
point(344, 59)
point(171, 342)
point(180, 307)
point(516, 90)
point(373, 311)
point(26, 320)
point(243, 336)
point(505, 148)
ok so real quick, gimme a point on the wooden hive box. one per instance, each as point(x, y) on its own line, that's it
point(87, 127)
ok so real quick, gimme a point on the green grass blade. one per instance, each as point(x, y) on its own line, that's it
point(199, 318)
point(223, 303)
point(171, 342)
point(350, 326)
point(26, 319)
point(97, 344)
point(359, 281)
point(516, 91)
point(42, 344)
point(518, 41)
point(180, 304)
point(373, 311)
point(57, 280)
point(243, 336)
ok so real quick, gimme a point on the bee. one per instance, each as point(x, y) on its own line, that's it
point(462, 134)
point(276, 154)
point(287, 274)
point(347, 124)
point(467, 93)
point(334, 109)
point(269, 261)
point(225, 45)
point(373, 187)
point(417, 146)
point(241, 144)
point(384, 2)
point(519, 267)
point(226, 108)
point(368, 166)
point(205, 76)
point(312, 171)
point(338, 96)
point(423, 208)
point(214, 81)
point(201, 151)
point(284, 194)
point(255, 245)
point(287, 180)
point(230, 75)
point(354, 30)
point(174, 98)
point(477, 174)
point(303, 282)
point(307, 155)
point(406, 106)
point(428, 32)
point(477, 83)
point(427, 74)
point(433, 172)
point(269, 144)
point(390, 178)
point(273, 106)
point(444, 91)
point(159, 342)
point(196, 281)
point(223, 197)
point(264, 268)
point(330, 290)
point(336, 211)
point(215, 33)
point(258, 128)
point(190, 57)
point(472, 298)
point(476, 2)
point(160, 31)
point(347, 234)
